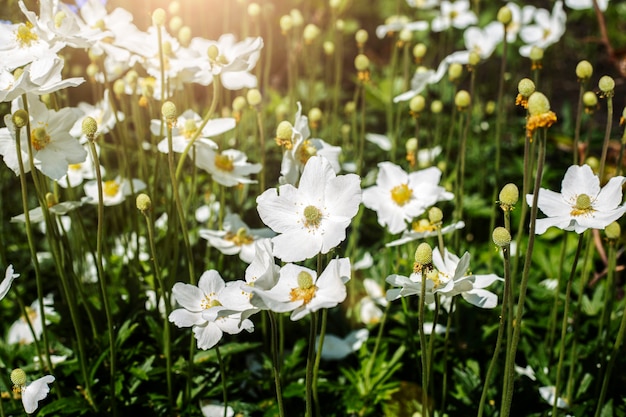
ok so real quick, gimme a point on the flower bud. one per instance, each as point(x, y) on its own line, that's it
point(435, 215)
point(504, 15)
point(424, 254)
point(462, 99)
point(606, 84)
point(419, 50)
point(405, 35)
point(436, 106)
point(501, 237)
point(239, 103)
point(89, 127)
point(361, 62)
point(168, 110)
point(184, 36)
point(454, 71)
point(143, 202)
point(417, 103)
point(254, 10)
point(584, 70)
point(254, 97)
point(296, 17)
point(590, 99)
point(329, 48)
point(18, 377)
point(536, 53)
point(474, 58)
point(538, 104)
point(176, 22)
point(311, 32)
point(526, 87)
point(20, 118)
point(284, 130)
point(315, 115)
point(349, 108)
point(158, 17)
point(509, 195)
point(613, 231)
point(361, 36)
point(173, 7)
point(286, 23)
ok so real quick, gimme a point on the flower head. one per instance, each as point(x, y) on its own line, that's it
point(301, 291)
point(32, 393)
point(229, 167)
point(313, 217)
point(581, 204)
point(398, 197)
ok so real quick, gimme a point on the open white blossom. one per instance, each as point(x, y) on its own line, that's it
point(5, 285)
point(581, 204)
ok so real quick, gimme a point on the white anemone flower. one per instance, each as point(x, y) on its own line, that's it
point(449, 277)
point(77, 173)
point(5, 285)
point(457, 15)
point(581, 204)
point(228, 168)
point(114, 191)
point(186, 127)
point(520, 17)
point(586, 4)
point(399, 23)
point(32, 393)
point(482, 41)
point(236, 238)
point(369, 307)
point(59, 209)
point(20, 332)
point(198, 301)
point(102, 112)
point(546, 30)
point(336, 348)
point(548, 393)
point(422, 78)
point(211, 409)
point(423, 229)
point(312, 218)
point(300, 291)
point(399, 197)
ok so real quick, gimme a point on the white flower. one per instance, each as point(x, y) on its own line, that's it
point(53, 147)
point(229, 167)
point(34, 392)
point(335, 348)
point(215, 410)
point(301, 291)
point(547, 30)
point(399, 197)
point(480, 41)
point(313, 217)
point(236, 238)
point(582, 204)
point(448, 277)
point(201, 306)
point(102, 112)
point(548, 394)
point(423, 229)
point(586, 4)
point(399, 23)
point(369, 310)
point(301, 148)
point(20, 332)
point(59, 209)
point(262, 274)
point(186, 127)
point(22, 44)
point(422, 78)
point(77, 173)
point(5, 285)
point(520, 17)
point(114, 191)
point(457, 15)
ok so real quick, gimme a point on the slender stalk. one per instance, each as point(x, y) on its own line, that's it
point(220, 361)
point(276, 363)
point(100, 270)
point(607, 135)
point(318, 358)
point(310, 365)
point(579, 113)
point(510, 358)
point(423, 347)
point(557, 294)
point(568, 290)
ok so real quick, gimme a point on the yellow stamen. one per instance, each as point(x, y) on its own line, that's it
point(305, 290)
point(24, 35)
point(306, 151)
point(401, 194)
point(39, 138)
point(583, 206)
point(240, 238)
point(224, 163)
point(110, 188)
point(312, 216)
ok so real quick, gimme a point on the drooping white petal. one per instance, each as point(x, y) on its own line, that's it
point(35, 392)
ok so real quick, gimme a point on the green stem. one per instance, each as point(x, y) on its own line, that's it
point(318, 358)
point(423, 346)
point(223, 377)
point(568, 290)
point(310, 365)
point(276, 363)
point(607, 135)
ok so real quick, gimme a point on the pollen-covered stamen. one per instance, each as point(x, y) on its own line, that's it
point(583, 205)
point(305, 290)
point(111, 188)
point(59, 18)
point(240, 238)
point(423, 225)
point(190, 128)
point(401, 194)
point(224, 163)
point(312, 216)
point(39, 138)
point(25, 35)
point(306, 151)
point(436, 277)
point(209, 301)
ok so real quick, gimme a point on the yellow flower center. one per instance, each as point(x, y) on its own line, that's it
point(39, 138)
point(74, 167)
point(401, 194)
point(224, 163)
point(110, 188)
point(540, 120)
point(423, 225)
point(24, 35)
point(583, 205)
point(305, 290)
point(436, 277)
point(312, 216)
point(240, 238)
point(58, 19)
point(209, 301)
point(189, 129)
point(306, 151)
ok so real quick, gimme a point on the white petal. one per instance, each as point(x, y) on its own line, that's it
point(35, 392)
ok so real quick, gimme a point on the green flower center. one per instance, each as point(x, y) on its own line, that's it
point(401, 194)
point(224, 163)
point(24, 35)
point(39, 138)
point(312, 216)
point(209, 301)
point(583, 205)
point(305, 290)
point(190, 128)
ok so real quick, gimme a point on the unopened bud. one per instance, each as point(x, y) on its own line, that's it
point(89, 127)
point(613, 231)
point(590, 99)
point(504, 15)
point(254, 97)
point(509, 195)
point(144, 203)
point(435, 215)
point(501, 237)
point(168, 110)
point(606, 84)
point(20, 118)
point(417, 103)
point(584, 70)
point(424, 254)
point(361, 36)
point(462, 99)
